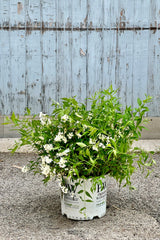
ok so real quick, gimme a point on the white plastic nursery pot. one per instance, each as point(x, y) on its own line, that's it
point(82, 206)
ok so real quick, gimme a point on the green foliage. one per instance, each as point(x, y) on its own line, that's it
point(81, 143)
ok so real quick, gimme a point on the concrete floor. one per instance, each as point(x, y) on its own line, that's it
point(29, 210)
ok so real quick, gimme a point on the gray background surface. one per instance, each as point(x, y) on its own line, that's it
point(30, 210)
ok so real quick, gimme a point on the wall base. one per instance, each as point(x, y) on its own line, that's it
point(153, 131)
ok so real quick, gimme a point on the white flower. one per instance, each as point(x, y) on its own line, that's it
point(78, 134)
point(62, 165)
point(64, 153)
point(95, 148)
point(45, 169)
point(65, 130)
point(102, 137)
point(42, 138)
point(64, 139)
point(60, 137)
point(62, 162)
point(46, 159)
point(108, 139)
point(130, 135)
point(48, 147)
point(25, 169)
point(70, 135)
point(59, 154)
point(64, 189)
point(85, 127)
point(44, 119)
point(49, 121)
point(101, 145)
point(42, 115)
point(91, 141)
point(90, 116)
point(64, 118)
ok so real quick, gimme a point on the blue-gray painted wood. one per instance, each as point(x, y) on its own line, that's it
point(53, 49)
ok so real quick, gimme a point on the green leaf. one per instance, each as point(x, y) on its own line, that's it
point(132, 188)
point(139, 101)
point(82, 209)
point(88, 194)
point(92, 161)
point(76, 171)
point(81, 191)
point(88, 200)
point(28, 112)
point(148, 164)
point(154, 162)
point(87, 152)
point(78, 115)
point(81, 199)
point(82, 145)
point(13, 117)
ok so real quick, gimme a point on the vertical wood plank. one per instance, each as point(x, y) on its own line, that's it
point(109, 63)
point(60, 13)
point(140, 65)
point(154, 72)
point(49, 70)
point(79, 13)
point(79, 66)
point(94, 63)
point(33, 72)
point(32, 10)
point(5, 83)
point(49, 14)
point(154, 13)
point(128, 65)
point(17, 68)
point(64, 64)
point(4, 13)
point(33, 58)
point(95, 16)
point(111, 13)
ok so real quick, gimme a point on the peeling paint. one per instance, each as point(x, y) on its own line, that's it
point(19, 7)
point(82, 53)
point(21, 92)
point(122, 23)
point(85, 21)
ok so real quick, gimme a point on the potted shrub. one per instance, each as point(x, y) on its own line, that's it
point(81, 147)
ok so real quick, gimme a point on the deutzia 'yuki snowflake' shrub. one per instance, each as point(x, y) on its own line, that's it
point(80, 143)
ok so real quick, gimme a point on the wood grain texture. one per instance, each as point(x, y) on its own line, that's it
point(53, 49)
